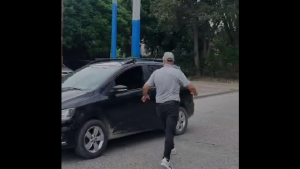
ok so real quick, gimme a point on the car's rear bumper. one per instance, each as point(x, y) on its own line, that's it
point(68, 137)
point(190, 109)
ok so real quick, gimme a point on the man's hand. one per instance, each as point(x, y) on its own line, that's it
point(145, 92)
point(144, 98)
point(192, 89)
point(195, 94)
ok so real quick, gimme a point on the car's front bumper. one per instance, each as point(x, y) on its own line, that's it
point(68, 137)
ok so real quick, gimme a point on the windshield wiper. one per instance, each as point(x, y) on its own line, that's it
point(71, 88)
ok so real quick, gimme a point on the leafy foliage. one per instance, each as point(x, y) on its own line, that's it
point(204, 35)
point(87, 27)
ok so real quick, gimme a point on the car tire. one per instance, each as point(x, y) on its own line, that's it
point(182, 122)
point(88, 145)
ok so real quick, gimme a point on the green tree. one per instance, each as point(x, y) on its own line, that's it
point(87, 27)
point(61, 29)
point(204, 35)
point(199, 23)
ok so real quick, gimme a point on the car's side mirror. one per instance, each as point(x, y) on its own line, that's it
point(120, 89)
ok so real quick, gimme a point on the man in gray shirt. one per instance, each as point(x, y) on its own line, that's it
point(168, 81)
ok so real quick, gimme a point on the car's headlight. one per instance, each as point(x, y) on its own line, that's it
point(66, 114)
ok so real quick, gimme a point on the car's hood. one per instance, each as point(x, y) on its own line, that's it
point(69, 98)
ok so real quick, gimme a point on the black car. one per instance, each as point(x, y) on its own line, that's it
point(102, 101)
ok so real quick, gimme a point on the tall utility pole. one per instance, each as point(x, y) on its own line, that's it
point(62, 23)
point(135, 44)
point(114, 29)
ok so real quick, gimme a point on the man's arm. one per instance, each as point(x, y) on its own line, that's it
point(192, 89)
point(147, 86)
point(184, 82)
point(145, 90)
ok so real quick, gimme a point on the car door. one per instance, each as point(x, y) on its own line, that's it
point(151, 104)
point(125, 110)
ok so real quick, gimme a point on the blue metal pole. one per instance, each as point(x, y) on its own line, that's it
point(135, 37)
point(114, 30)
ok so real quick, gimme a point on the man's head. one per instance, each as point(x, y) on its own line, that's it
point(168, 58)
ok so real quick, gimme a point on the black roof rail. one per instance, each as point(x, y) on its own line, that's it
point(132, 60)
point(97, 60)
point(126, 60)
point(151, 59)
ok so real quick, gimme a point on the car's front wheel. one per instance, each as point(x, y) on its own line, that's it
point(92, 139)
point(182, 122)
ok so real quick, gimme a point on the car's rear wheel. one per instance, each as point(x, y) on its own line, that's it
point(92, 139)
point(182, 122)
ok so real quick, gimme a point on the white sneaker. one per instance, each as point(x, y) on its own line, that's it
point(174, 151)
point(166, 163)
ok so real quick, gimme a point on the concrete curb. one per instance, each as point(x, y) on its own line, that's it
point(214, 94)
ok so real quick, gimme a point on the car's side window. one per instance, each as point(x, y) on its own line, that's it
point(133, 78)
point(152, 68)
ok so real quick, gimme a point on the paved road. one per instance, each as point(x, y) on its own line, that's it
point(211, 142)
point(208, 87)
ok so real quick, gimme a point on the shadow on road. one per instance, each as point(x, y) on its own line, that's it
point(117, 144)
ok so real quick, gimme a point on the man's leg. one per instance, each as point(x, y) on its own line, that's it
point(171, 122)
point(161, 114)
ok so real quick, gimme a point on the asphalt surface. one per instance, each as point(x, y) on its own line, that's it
point(211, 142)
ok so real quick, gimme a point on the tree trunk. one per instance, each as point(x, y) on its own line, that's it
point(237, 30)
point(228, 32)
point(196, 50)
point(62, 22)
point(209, 48)
point(204, 51)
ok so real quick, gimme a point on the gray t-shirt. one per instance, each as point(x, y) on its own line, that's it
point(167, 81)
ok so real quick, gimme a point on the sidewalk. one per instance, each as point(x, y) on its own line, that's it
point(205, 88)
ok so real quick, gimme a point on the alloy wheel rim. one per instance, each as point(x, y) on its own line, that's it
point(93, 139)
point(181, 121)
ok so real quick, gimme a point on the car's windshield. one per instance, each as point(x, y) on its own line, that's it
point(88, 78)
